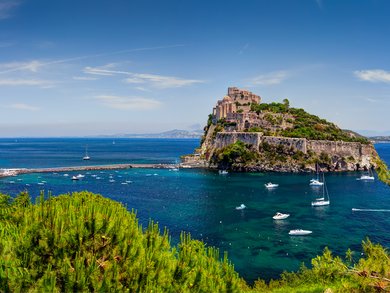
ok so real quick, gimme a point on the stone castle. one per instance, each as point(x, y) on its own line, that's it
point(234, 111)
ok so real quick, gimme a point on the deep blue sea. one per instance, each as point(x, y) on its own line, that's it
point(203, 202)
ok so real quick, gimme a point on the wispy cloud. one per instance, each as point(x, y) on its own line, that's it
point(31, 66)
point(25, 82)
point(6, 7)
point(84, 78)
point(128, 103)
point(103, 71)
point(158, 81)
point(375, 75)
point(22, 106)
point(270, 78)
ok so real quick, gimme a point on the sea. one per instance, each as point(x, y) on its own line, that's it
point(203, 202)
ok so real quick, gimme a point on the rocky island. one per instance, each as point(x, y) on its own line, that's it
point(244, 134)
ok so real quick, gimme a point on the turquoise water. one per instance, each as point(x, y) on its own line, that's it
point(203, 203)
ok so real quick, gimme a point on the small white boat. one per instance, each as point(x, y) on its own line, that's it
point(320, 203)
point(315, 182)
point(369, 176)
point(271, 185)
point(86, 157)
point(75, 178)
point(299, 232)
point(280, 216)
point(241, 207)
point(223, 172)
point(324, 200)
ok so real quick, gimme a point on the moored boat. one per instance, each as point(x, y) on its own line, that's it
point(280, 216)
point(271, 185)
point(299, 232)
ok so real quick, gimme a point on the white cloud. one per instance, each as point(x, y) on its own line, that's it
point(22, 106)
point(375, 75)
point(161, 81)
point(27, 82)
point(31, 66)
point(270, 78)
point(84, 78)
point(158, 81)
point(103, 71)
point(6, 8)
point(128, 103)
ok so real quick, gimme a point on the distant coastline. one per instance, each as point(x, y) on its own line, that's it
point(175, 133)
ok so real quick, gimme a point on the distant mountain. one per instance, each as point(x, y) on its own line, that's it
point(175, 133)
point(380, 138)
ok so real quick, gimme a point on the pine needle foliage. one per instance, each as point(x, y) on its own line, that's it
point(85, 242)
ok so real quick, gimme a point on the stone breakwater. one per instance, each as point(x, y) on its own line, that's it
point(14, 172)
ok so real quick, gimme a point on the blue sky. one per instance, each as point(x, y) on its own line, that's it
point(71, 68)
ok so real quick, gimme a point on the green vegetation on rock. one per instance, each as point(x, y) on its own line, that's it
point(305, 125)
point(84, 242)
point(234, 154)
point(382, 170)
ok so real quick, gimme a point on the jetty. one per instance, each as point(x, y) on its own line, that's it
point(16, 171)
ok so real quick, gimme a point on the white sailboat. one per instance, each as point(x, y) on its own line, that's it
point(324, 200)
point(316, 182)
point(86, 157)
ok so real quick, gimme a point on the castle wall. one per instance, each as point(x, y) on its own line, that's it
point(224, 139)
point(340, 148)
point(360, 152)
point(296, 143)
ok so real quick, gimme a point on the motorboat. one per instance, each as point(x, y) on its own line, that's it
point(299, 232)
point(271, 185)
point(223, 172)
point(75, 178)
point(280, 216)
point(241, 207)
point(316, 182)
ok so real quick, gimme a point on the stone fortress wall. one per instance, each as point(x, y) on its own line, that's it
point(360, 152)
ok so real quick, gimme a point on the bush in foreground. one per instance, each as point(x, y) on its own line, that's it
point(85, 242)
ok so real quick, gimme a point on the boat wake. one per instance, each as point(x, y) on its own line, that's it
point(370, 210)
